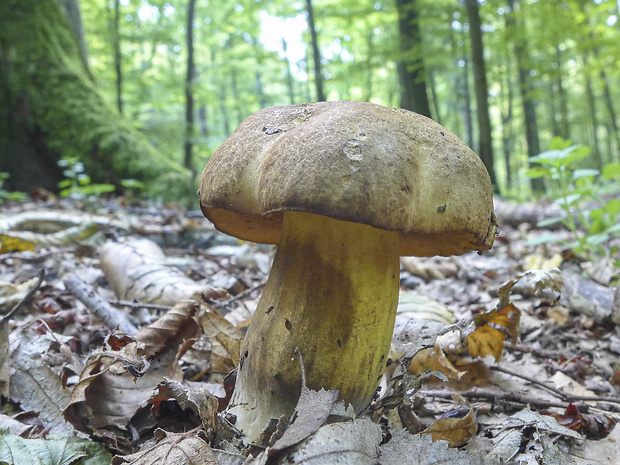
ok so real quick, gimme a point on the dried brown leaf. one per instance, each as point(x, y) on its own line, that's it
point(492, 329)
point(173, 449)
point(433, 359)
point(200, 401)
point(174, 326)
point(137, 270)
point(225, 338)
point(457, 431)
point(114, 385)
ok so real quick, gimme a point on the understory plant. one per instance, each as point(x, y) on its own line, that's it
point(7, 195)
point(591, 216)
point(77, 184)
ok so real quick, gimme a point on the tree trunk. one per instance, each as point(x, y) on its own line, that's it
point(116, 50)
point(289, 76)
point(54, 108)
point(190, 75)
point(411, 71)
point(318, 76)
point(507, 132)
point(72, 12)
point(369, 67)
point(482, 92)
point(563, 98)
point(529, 106)
point(596, 149)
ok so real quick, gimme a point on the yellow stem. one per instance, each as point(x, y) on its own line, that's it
point(332, 292)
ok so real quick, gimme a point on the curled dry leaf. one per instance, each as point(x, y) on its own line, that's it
point(137, 270)
point(592, 426)
point(114, 385)
point(222, 335)
point(200, 401)
point(457, 431)
point(173, 449)
point(174, 326)
point(434, 359)
point(492, 329)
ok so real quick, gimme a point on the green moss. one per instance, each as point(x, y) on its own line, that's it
point(65, 104)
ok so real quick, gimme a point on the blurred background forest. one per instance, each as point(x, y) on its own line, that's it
point(507, 76)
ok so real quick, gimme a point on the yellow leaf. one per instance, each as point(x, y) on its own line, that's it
point(454, 430)
point(10, 244)
point(486, 341)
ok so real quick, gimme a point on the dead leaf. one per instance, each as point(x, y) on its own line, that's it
point(311, 411)
point(492, 328)
point(350, 443)
point(434, 359)
point(173, 449)
point(220, 332)
point(174, 326)
point(203, 403)
point(114, 385)
point(404, 449)
point(34, 384)
point(457, 431)
point(530, 284)
point(137, 270)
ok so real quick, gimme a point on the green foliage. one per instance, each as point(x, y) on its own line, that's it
point(77, 184)
point(53, 450)
point(573, 188)
point(6, 195)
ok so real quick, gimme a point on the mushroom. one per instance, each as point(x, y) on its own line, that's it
point(344, 189)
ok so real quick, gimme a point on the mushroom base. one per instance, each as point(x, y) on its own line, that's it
point(332, 293)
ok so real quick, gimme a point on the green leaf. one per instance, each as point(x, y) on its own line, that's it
point(612, 207)
point(543, 239)
point(538, 172)
point(550, 221)
point(54, 450)
point(582, 173)
point(558, 143)
point(568, 200)
point(611, 170)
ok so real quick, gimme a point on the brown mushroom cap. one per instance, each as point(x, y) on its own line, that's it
point(354, 161)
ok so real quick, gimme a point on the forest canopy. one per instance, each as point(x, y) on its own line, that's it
point(508, 77)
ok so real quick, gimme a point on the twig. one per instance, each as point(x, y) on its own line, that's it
point(531, 380)
point(244, 293)
point(494, 396)
point(127, 303)
point(110, 316)
point(542, 353)
point(567, 397)
point(27, 298)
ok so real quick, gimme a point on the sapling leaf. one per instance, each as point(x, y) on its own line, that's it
point(558, 143)
point(543, 239)
point(586, 172)
point(610, 170)
point(538, 172)
point(568, 200)
point(612, 207)
point(549, 221)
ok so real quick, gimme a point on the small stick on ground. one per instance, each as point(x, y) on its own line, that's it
point(110, 316)
point(27, 298)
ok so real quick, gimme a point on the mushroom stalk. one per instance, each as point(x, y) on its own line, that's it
point(332, 293)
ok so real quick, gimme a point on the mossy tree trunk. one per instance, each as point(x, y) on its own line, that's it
point(50, 107)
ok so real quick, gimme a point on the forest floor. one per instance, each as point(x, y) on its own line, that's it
point(121, 323)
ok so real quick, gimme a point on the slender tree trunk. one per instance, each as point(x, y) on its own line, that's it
point(260, 91)
point(203, 123)
point(434, 98)
point(116, 46)
point(482, 91)
point(523, 72)
point(411, 70)
point(318, 75)
point(369, 68)
point(507, 132)
point(289, 76)
point(563, 98)
point(596, 149)
point(188, 160)
point(609, 103)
